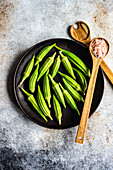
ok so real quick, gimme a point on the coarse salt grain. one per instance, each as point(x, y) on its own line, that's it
point(99, 47)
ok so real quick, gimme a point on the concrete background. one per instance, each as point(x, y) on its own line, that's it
point(24, 144)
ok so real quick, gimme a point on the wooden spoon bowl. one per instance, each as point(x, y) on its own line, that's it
point(81, 32)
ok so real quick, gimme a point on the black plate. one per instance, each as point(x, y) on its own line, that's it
point(70, 118)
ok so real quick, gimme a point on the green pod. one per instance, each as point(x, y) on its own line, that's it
point(55, 66)
point(76, 60)
point(46, 88)
point(57, 109)
point(33, 78)
point(28, 70)
point(87, 74)
point(43, 53)
point(71, 81)
point(72, 91)
point(49, 61)
point(57, 91)
point(42, 104)
point(34, 103)
point(67, 65)
point(69, 99)
point(82, 79)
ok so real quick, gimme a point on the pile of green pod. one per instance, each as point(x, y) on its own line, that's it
point(71, 91)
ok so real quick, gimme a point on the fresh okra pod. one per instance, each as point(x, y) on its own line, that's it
point(57, 109)
point(46, 88)
point(69, 99)
point(49, 61)
point(57, 91)
point(82, 79)
point(32, 100)
point(42, 104)
point(55, 66)
point(33, 78)
point(43, 52)
point(28, 70)
point(76, 60)
point(77, 65)
point(72, 91)
point(67, 65)
point(71, 81)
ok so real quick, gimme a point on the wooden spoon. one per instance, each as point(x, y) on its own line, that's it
point(89, 95)
point(82, 34)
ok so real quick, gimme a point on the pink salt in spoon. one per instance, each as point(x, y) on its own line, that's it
point(89, 95)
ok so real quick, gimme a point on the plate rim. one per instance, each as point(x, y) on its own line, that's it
point(14, 80)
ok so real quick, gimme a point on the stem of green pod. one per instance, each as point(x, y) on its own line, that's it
point(27, 94)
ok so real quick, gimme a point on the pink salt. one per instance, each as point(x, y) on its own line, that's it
point(99, 48)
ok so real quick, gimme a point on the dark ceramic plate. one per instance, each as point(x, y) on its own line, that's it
point(70, 118)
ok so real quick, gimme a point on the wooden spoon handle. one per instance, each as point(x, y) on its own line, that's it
point(107, 71)
point(88, 101)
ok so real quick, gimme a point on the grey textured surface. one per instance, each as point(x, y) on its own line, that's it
point(24, 144)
